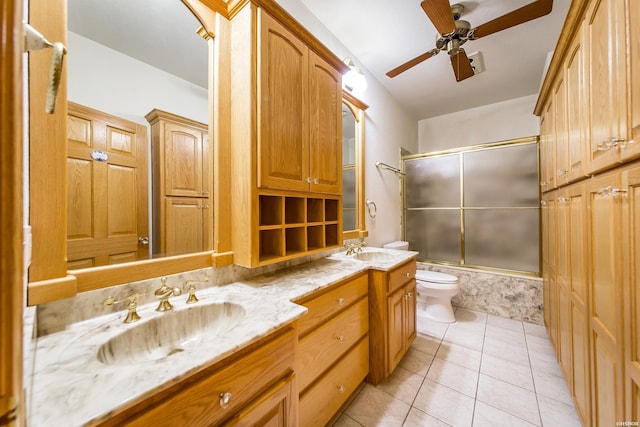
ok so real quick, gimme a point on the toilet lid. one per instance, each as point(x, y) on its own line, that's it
point(435, 277)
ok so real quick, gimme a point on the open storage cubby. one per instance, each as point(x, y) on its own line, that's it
point(315, 210)
point(292, 225)
point(270, 210)
point(294, 212)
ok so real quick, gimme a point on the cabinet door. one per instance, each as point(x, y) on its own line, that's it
point(325, 103)
point(395, 309)
point(605, 289)
point(184, 225)
point(562, 135)
point(283, 115)
point(563, 345)
point(607, 81)
point(631, 231)
point(632, 147)
point(183, 161)
point(410, 318)
point(547, 148)
point(579, 299)
point(577, 96)
point(274, 408)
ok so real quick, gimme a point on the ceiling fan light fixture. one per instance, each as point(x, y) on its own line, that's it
point(354, 80)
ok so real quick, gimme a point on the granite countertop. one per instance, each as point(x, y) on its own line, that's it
point(71, 387)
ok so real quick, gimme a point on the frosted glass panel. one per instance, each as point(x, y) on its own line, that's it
point(506, 176)
point(435, 233)
point(503, 238)
point(348, 136)
point(348, 199)
point(433, 182)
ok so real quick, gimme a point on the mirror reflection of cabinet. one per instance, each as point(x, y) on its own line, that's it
point(181, 197)
point(353, 223)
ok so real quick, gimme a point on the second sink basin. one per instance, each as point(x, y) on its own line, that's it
point(374, 256)
point(171, 333)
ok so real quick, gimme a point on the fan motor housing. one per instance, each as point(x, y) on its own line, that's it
point(460, 34)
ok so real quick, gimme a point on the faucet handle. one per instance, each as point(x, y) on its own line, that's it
point(132, 315)
point(191, 289)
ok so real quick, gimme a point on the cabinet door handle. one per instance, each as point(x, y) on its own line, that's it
point(340, 338)
point(341, 388)
point(409, 275)
point(609, 143)
point(225, 398)
point(308, 179)
point(562, 172)
point(610, 191)
point(316, 180)
point(408, 295)
point(340, 301)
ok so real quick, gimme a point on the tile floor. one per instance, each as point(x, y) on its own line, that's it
point(481, 371)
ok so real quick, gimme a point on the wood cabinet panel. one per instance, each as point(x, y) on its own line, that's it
point(561, 154)
point(186, 151)
point(607, 80)
point(401, 275)
point(631, 149)
point(324, 306)
point(197, 401)
point(326, 127)
point(547, 147)
point(185, 225)
point(319, 350)
point(321, 401)
point(283, 145)
point(576, 109)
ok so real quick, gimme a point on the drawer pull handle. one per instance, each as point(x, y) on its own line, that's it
point(340, 301)
point(408, 295)
point(341, 338)
point(409, 275)
point(341, 388)
point(225, 398)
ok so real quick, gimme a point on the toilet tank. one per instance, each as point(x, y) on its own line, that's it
point(398, 244)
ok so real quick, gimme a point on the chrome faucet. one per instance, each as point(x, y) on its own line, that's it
point(163, 295)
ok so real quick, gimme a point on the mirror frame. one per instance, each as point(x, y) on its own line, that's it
point(49, 279)
point(358, 108)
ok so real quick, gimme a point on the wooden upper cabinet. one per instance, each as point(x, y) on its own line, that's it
point(576, 99)
point(299, 146)
point(605, 26)
point(547, 147)
point(326, 127)
point(631, 149)
point(283, 145)
point(562, 136)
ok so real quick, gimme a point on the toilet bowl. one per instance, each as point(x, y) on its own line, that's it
point(434, 289)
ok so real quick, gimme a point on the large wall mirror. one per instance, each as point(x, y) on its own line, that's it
point(352, 167)
point(124, 60)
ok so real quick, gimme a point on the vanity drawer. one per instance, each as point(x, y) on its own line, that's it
point(401, 275)
point(321, 401)
point(326, 305)
point(198, 402)
point(320, 349)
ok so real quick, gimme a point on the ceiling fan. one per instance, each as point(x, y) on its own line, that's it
point(454, 32)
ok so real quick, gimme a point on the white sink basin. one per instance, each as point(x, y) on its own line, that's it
point(374, 256)
point(171, 333)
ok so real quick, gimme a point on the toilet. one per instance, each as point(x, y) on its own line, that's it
point(434, 289)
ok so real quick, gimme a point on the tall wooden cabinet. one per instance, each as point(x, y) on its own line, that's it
point(181, 184)
point(286, 141)
point(590, 115)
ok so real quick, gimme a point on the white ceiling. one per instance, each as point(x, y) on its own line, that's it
point(381, 34)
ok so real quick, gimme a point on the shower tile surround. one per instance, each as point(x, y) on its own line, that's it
point(511, 296)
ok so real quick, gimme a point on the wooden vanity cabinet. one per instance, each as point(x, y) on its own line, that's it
point(392, 318)
point(181, 181)
point(333, 349)
point(286, 138)
point(260, 383)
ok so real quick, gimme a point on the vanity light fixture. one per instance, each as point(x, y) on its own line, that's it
point(353, 80)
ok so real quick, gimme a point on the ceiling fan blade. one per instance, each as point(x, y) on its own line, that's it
point(439, 12)
point(461, 65)
point(519, 16)
point(412, 63)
